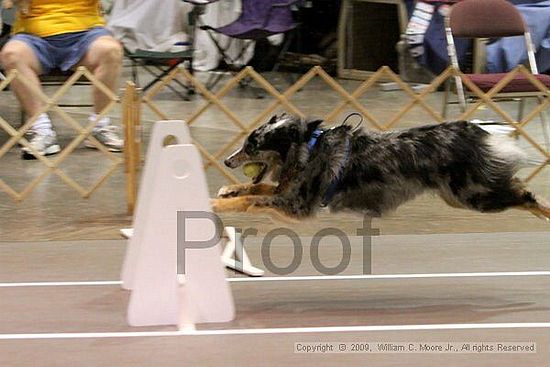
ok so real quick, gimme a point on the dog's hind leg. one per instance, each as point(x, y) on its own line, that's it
point(451, 201)
point(508, 196)
point(538, 206)
point(274, 213)
point(236, 204)
point(541, 208)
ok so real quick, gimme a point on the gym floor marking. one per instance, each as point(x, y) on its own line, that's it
point(291, 330)
point(266, 331)
point(299, 278)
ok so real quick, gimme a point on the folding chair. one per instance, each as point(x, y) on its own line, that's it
point(159, 64)
point(493, 19)
point(259, 19)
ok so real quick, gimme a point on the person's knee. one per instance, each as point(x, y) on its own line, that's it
point(11, 56)
point(109, 52)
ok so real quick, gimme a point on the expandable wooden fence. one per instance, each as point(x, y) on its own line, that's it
point(133, 102)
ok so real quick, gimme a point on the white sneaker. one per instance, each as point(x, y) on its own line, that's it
point(43, 143)
point(108, 136)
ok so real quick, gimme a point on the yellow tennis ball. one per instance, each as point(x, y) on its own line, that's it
point(252, 169)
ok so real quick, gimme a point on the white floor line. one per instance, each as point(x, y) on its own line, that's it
point(61, 284)
point(301, 278)
point(265, 331)
point(393, 276)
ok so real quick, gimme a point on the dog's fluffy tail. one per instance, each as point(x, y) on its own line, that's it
point(505, 150)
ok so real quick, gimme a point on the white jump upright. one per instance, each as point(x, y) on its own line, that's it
point(235, 257)
point(173, 180)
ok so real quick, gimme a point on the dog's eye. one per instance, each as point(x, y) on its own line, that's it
point(251, 145)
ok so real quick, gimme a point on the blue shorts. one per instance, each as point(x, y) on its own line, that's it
point(61, 51)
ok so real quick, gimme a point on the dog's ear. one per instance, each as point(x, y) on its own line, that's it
point(312, 125)
point(277, 118)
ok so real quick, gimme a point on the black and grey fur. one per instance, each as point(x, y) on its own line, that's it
point(375, 172)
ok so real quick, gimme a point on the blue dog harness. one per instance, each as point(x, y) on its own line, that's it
point(333, 187)
point(313, 140)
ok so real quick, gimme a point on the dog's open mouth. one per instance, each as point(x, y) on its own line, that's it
point(255, 171)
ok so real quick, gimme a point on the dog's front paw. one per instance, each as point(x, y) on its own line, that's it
point(229, 192)
point(215, 205)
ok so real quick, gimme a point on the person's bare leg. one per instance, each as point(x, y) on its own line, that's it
point(18, 55)
point(104, 60)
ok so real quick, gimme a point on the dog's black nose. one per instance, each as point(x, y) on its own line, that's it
point(227, 162)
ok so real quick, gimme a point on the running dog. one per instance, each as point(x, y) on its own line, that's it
point(347, 168)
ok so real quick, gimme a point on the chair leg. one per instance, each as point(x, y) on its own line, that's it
point(544, 126)
point(257, 93)
point(245, 83)
point(244, 48)
point(545, 131)
point(284, 49)
point(460, 93)
point(446, 99)
point(231, 63)
point(162, 74)
point(213, 80)
point(191, 87)
point(221, 50)
point(135, 77)
point(521, 108)
point(289, 37)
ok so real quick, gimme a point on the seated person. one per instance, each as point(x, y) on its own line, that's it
point(59, 34)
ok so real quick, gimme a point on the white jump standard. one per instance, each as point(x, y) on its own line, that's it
point(173, 181)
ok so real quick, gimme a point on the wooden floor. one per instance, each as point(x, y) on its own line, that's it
point(62, 305)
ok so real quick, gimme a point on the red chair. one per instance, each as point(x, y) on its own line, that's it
point(494, 19)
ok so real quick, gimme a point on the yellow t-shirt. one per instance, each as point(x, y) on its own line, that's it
point(52, 17)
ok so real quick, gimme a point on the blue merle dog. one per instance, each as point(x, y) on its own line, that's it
point(375, 172)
